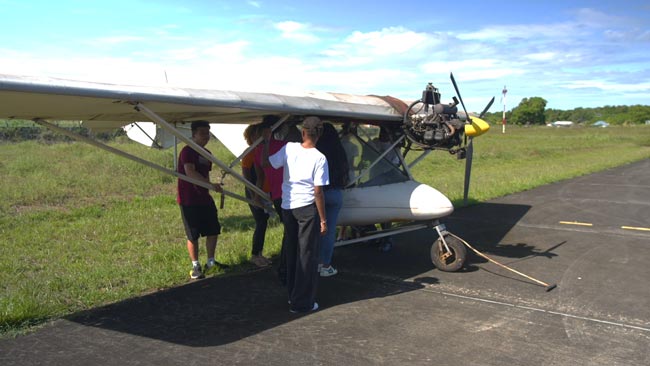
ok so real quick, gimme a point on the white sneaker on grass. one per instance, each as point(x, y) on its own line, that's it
point(196, 273)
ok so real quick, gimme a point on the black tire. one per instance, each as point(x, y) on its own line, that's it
point(455, 261)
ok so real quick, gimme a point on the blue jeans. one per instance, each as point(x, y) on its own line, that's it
point(333, 203)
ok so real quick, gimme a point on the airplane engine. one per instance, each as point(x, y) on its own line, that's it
point(433, 125)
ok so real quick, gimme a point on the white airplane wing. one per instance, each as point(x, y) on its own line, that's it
point(107, 106)
point(231, 136)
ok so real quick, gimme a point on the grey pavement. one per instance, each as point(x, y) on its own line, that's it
point(590, 235)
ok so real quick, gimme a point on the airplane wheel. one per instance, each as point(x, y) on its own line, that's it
point(450, 261)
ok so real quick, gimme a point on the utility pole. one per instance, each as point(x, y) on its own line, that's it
point(503, 121)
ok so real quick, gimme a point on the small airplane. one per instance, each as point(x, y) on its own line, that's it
point(164, 114)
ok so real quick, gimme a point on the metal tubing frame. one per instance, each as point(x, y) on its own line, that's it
point(258, 141)
point(383, 233)
point(442, 238)
point(377, 160)
point(139, 160)
point(419, 158)
point(398, 152)
point(146, 134)
point(170, 128)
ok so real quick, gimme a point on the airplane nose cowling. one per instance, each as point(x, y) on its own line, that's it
point(428, 203)
point(404, 201)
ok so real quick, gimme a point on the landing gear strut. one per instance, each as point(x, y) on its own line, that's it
point(447, 252)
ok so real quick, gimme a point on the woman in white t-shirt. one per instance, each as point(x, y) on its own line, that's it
point(303, 215)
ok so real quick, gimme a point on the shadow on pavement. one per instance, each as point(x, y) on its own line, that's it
point(221, 310)
point(485, 226)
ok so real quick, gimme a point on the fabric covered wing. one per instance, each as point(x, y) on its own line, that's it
point(107, 106)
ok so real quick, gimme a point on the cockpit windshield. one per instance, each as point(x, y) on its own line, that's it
point(364, 145)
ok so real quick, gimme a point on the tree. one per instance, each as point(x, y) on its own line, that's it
point(615, 115)
point(529, 111)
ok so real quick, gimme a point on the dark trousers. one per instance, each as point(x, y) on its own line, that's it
point(261, 223)
point(277, 205)
point(302, 248)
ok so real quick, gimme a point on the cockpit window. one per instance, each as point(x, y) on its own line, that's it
point(363, 147)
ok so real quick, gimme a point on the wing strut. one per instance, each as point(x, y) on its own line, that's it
point(419, 158)
point(137, 159)
point(377, 160)
point(258, 141)
point(170, 128)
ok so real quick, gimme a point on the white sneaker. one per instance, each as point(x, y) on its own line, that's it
point(313, 308)
point(328, 271)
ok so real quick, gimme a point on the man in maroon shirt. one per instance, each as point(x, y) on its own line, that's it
point(198, 210)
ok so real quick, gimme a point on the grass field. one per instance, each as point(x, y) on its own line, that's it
point(82, 228)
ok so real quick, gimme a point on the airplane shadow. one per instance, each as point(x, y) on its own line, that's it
point(220, 310)
point(486, 225)
point(225, 309)
point(483, 226)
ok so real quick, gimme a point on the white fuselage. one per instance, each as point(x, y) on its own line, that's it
point(405, 201)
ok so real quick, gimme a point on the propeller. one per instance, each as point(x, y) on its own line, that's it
point(470, 145)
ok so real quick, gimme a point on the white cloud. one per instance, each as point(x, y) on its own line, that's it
point(296, 31)
point(473, 70)
point(388, 41)
point(389, 46)
point(391, 60)
point(541, 56)
point(596, 18)
point(503, 34)
point(181, 54)
point(609, 86)
point(114, 70)
point(230, 51)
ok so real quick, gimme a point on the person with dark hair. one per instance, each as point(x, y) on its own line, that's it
point(303, 208)
point(264, 170)
point(273, 177)
point(330, 145)
point(251, 133)
point(198, 211)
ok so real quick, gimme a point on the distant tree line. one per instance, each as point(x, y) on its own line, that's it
point(533, 111)
point(15, 131)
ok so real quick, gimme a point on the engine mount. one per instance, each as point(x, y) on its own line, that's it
point(433, 125)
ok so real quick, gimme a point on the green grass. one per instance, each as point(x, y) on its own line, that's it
point(80, 227)
point(525, 158)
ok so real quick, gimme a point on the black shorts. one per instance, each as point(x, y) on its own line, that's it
point(200, 221)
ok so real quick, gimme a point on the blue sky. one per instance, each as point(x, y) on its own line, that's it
point(571, 53)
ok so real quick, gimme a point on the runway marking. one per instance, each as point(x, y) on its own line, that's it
point(576, 223)
point(635, 228)
point(566, 315)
